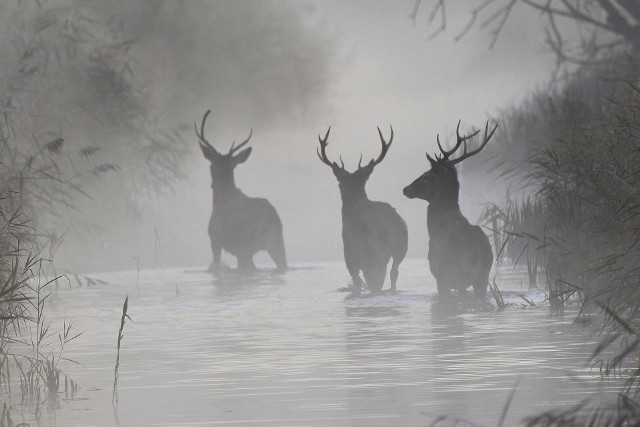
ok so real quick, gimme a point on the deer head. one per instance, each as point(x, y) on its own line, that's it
point(222, 165)
point(352, 183)
point(440, 183)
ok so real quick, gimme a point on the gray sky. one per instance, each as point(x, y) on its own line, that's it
point(379, 70)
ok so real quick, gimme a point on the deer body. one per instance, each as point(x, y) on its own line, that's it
point(460, 254)
point(372, 232)
point(244, 226)
point(239, 224)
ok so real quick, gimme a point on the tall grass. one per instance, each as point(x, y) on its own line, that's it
point(116, 372)
point(576, 225)
point(33, 188)
point(30, 349)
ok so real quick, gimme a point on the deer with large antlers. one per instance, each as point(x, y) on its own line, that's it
point(239, 224)
point(372, 232)
point(459, 253)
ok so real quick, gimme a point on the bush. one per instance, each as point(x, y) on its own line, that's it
point(576, 222)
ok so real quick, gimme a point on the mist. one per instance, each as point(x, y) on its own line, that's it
point(289, 71)
point(320, 135)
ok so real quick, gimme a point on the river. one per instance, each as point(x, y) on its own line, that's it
point(296, 350)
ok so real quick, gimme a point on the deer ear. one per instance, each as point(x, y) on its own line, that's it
point(433, 162)
point(242, 156)
point(338, 172)
point(208, 152)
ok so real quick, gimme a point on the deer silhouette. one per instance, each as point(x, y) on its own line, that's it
point(239, 224)
point(372, 232)
point(459, 253)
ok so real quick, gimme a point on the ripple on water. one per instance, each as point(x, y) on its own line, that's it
point(294, 350)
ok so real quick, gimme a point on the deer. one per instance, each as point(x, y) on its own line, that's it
point(460, 254)
point(372, 232)
point(239, 224)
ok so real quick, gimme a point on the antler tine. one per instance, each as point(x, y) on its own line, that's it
point(233, 148)
point(442, 150)
point(322, 153)
point(201, 134)
point(385, 147)
point(459, 141)
point(485, 140)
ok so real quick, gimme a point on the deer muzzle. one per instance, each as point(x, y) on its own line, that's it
point(409, 192)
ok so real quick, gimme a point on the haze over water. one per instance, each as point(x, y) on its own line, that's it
point(295, 349)
point(285, 350)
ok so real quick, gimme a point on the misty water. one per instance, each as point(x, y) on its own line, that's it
point(294, 350)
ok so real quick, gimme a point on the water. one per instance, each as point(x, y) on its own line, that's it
point(294, 350)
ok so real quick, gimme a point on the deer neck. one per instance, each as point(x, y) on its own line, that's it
point(440, 210)
point(353, 198)
point(224, 191)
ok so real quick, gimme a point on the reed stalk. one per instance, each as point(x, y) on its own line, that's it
point(120, 337)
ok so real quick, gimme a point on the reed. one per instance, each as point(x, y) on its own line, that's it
point(30, 348)
point(577, 225)
point(123, 319)
point(624, 412)
point(497, 295)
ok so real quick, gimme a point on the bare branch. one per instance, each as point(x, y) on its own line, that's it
point(571, 13)
point(501, 16)
point(443, 19)
point(414, 14)
point(620, 18)
point(472, 19)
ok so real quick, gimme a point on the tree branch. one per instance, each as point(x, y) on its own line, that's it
point(614, 17)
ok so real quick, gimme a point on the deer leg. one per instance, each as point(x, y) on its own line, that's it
point(480, 287)
point(479, 291)
point(357, 281)
point(394, 274)
point(374, 276)
point(443, 289)
point(277, 253)
point(245, 263)
point(216, 247)
point(214, 267)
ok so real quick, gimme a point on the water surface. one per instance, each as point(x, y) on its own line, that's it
point(295, 350)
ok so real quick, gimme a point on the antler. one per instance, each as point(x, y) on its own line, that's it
point(460, 140)
point(383, 152)
point(233, 148)
point(203, 140)
point(200, 135)
point(485, 140)
point(322, 152)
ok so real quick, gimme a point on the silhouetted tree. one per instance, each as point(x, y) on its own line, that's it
point(71, 107)
point(578, 32)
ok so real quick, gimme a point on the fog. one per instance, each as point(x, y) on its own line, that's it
point(289, 70)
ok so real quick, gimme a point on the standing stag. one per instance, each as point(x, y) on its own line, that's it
point(372, 232)
point(239, 224)
point(459, 253)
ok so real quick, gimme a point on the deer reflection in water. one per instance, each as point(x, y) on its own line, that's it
point(372, 232)
point(239, 224)
point(460, 254)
